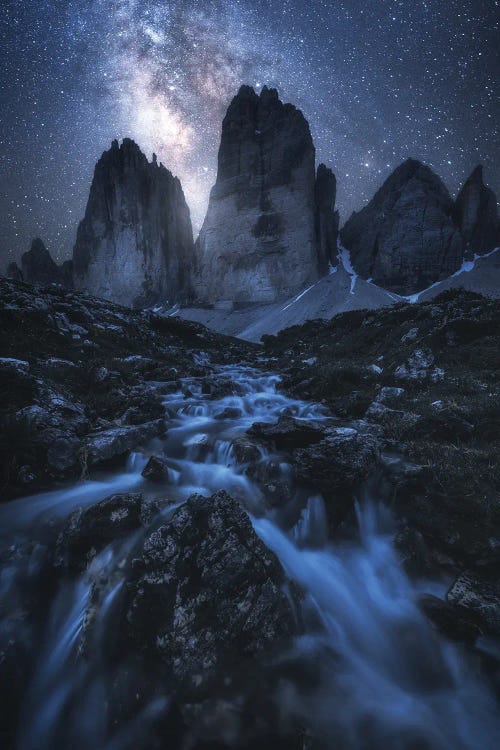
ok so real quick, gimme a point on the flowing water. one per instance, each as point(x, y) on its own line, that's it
point(384, 678)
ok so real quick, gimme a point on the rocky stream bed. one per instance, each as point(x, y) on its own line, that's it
point(210, 544)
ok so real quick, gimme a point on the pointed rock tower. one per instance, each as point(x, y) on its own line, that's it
point(476, 214)
point(259, 240)
point(327, 219)
point(39, 268)
point(135, 243)
point(405, 238)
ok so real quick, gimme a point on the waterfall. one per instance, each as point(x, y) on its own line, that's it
point(385, 678)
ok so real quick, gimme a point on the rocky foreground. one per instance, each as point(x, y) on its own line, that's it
point(186, 612)
point(82, 380)
point(425, 378)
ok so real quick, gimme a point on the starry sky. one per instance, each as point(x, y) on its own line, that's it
point(378, 80)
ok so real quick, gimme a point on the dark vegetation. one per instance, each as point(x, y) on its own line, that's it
point(444, 354)
point(73, 366)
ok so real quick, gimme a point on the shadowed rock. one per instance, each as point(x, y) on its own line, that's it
point(135, 243)
point(259, 241)
point(327, 219)
point(14, 272)
point(476, 215)
point(39, 268)
point(405, 238)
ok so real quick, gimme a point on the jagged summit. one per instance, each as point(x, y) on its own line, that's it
point(405, 237)
point(259, 242)
point(135, 243)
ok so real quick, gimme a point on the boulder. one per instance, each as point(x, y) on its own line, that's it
point(206, 595)
point(156, 470)
point(405, 238)
point(336, 467)
point(135, 244)
point(479, 597)
point(449, 620)
point(205, 607)
point(288, 433)
point(117, 441)
point(245, 450)
point(89, 530)
point(53, 434)
point(419, 366)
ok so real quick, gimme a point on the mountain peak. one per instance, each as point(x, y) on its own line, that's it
point(135, 243)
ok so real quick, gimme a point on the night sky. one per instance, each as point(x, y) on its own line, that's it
point(378, 81)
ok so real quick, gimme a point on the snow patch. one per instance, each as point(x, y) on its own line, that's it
point(344, 257)
point(299, 296)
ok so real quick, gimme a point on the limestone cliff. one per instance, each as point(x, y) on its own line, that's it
point(476, 215)
point(259, 242)
point(135, 243)
point(405, 238)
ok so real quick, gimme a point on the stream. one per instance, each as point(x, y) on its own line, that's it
point(387, 680)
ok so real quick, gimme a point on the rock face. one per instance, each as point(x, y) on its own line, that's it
point(37, 265)
point(14, 272)
point(75, 386)
point(206, 594)
point(259, 242)
point(476, 215)
point(327, 220)
point(39, 268)
point(135, 243)
point(405, 238)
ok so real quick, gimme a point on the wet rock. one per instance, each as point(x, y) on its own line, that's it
point(89, 530)
point(206, 598)
point(417, 557)
point(230, 412)
point(409, 336)
point(143, 405)
point(17, 384)
point(116, 442)
point(288, 433)
point(449, 620)
point(16, 368)
point(479, 597)
point(336, 467)
point(54, 434)
point(245, 450)
point(156, 470)
point(219, 387)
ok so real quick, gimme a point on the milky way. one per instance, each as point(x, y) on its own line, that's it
point(378, 82)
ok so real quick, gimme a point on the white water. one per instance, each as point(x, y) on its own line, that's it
point(384, 679)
